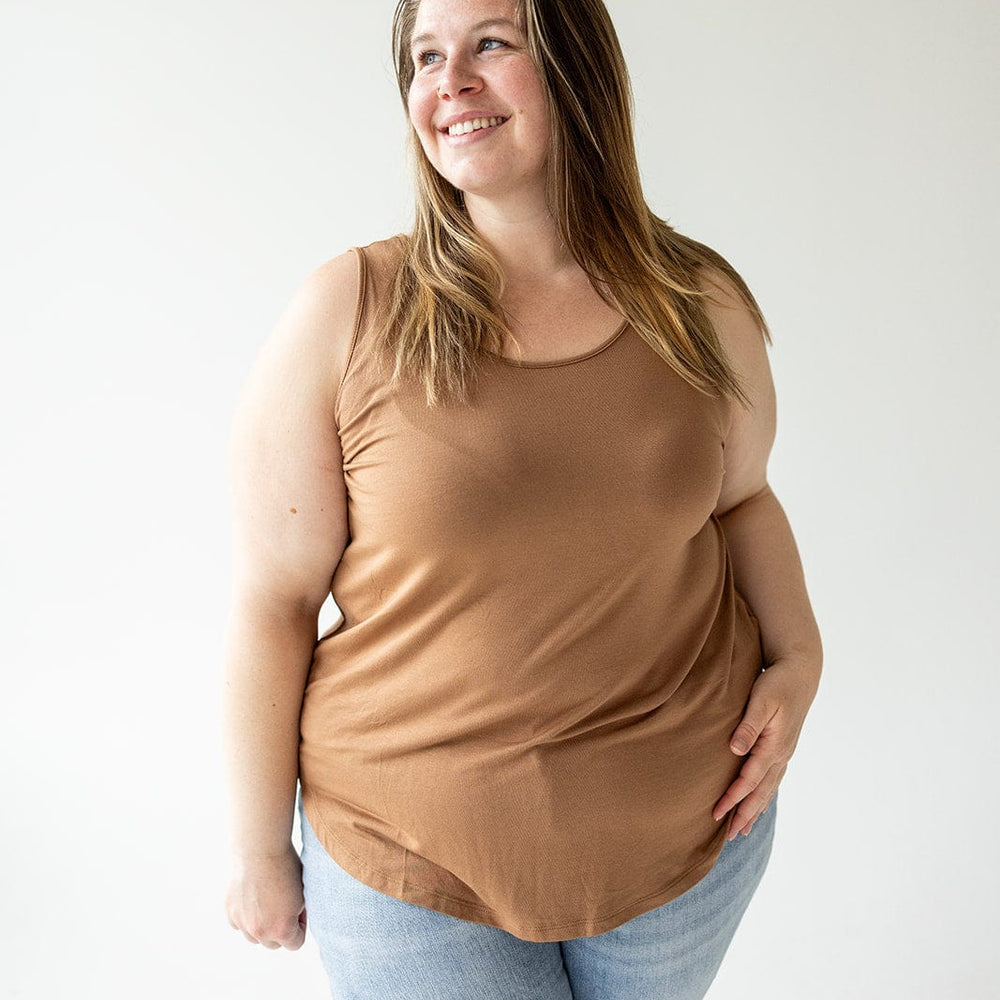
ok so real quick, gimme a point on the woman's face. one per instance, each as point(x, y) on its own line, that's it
point(471, 62)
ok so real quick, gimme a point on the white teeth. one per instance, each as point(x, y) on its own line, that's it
point(473, 125)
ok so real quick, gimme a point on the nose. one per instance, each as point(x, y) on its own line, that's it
point(458, 77)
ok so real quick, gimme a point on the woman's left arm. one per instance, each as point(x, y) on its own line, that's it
point(767, 571)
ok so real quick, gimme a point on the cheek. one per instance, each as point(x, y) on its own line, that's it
point(538, 130)
point(529, 98)
point(414, 114)
point(420, 110)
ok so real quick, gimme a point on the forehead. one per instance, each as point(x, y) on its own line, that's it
point(436, 18)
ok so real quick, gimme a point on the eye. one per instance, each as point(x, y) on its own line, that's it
point(422, 57)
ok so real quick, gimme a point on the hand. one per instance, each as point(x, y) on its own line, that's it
point(265, 901)
point(769, 732)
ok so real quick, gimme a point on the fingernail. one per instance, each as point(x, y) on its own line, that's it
point(738, 746)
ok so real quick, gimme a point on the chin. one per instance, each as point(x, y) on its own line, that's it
point(482, 186)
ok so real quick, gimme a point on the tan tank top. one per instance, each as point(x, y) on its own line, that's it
point(524, 718)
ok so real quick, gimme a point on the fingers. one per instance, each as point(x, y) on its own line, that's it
point(291, 936)
point(293, 940)
point(763, 734)
point(740, 825)
point(759, 712)
point(752, 773)
point(265, 901)
point(755, 804)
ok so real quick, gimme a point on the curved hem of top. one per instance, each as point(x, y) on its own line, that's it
point(432, 899)
point(514, 363)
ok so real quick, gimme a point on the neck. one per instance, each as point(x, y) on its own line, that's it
point(524, 236)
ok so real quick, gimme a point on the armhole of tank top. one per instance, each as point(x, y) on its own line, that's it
point(359, 309)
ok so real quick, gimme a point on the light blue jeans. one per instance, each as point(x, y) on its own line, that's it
point(376, 947)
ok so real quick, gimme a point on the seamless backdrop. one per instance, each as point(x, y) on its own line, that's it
point(170, 172)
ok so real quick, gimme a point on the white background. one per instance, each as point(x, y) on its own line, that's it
point(170, 173)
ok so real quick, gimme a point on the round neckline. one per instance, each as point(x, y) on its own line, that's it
point(558, 362)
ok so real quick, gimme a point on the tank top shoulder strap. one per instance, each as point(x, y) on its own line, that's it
point(377, 262)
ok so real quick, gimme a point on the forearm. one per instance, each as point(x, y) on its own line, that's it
point(768, 573)
point(268, 654)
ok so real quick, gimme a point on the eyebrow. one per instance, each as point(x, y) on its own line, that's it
point(428, 36)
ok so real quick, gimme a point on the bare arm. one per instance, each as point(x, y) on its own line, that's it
point(766, 564)
point(289, 532)
point(767, 572)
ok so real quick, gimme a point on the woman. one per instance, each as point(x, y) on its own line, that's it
point(527, 443)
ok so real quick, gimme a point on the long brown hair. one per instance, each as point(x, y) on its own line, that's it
point(444, 310)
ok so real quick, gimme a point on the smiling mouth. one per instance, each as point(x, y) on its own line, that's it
point(473, 125)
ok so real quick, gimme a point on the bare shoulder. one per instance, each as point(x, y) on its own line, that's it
point(327, 306)
point(752, 430)
point(317, 325)
point(738, 330)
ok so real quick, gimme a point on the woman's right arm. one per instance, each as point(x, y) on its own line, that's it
point(289, 532)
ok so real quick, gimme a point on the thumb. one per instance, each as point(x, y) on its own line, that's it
point(297, 936)
point(750, 727)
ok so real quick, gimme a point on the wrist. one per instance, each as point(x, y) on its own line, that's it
point(260, 841)
point(805, 668)
point(255, 854)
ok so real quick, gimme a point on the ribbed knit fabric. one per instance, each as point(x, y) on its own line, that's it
point(523, 719)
